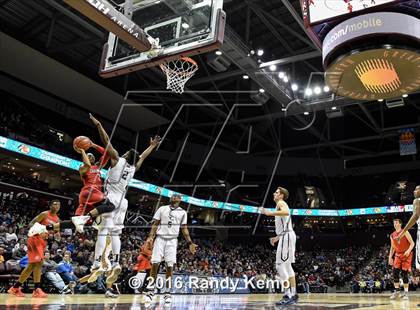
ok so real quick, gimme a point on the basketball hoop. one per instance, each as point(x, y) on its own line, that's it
point(178, 72)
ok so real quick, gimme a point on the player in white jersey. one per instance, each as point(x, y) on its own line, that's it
point(415, 218)
point(286, 239)
point(109, 217)
point(167, 222)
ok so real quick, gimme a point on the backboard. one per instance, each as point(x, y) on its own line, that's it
point(180, 28)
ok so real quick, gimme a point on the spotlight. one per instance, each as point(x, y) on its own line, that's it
point(281, 75)
point(317, 90)
point(380, 100)
point(305, 113)
point(273, 68)
point(285, 79)
point(218, 53)
point(334, 108)
point(295, 87)
point(185, 26)
point(405, 95)
point(260, 52)
point(262, 90)
point(326, 89)
point(308, 92)
point(245, 77)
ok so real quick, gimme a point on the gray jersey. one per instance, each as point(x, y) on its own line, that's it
point(171, 220)
point(118, 178)
point(283, 224)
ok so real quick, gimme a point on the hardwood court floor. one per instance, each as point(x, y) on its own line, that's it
point(266, 302)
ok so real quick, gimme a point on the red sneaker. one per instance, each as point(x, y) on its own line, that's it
point(38, 293)
point(16, 291)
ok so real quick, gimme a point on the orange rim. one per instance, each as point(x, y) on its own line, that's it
point(187, 59)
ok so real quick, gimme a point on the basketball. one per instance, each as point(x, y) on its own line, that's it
point(82, 142)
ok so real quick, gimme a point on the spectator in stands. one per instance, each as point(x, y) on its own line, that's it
point(19, 251)
point(58, 256)
point(304, 283)
point(354, 286)
point(362, 285)
point(2, 260)
point(1, 254)
point(3, 234)
point(70, 245)
point(378, 286)
point(49, 271)
point(11, 235)
point(65, 269)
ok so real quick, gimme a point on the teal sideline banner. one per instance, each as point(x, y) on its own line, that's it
point(35, 152)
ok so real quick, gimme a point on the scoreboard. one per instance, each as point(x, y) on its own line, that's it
point(323, 10)
point(370, 48)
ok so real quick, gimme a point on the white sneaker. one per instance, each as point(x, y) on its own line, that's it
point(394, 295)
point(79, 222)
point(404, 296)
point(115, 272)
point(110, 294)
point(96, 271)
point(148, 297)
point(66, 290)
point(167, 298)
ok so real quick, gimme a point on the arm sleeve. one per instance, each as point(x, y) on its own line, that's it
point(100, 149)
point(105, 156)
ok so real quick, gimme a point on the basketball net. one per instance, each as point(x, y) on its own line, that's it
point(178, 72)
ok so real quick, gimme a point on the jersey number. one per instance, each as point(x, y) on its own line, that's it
point(124, 175)
point(170, 221)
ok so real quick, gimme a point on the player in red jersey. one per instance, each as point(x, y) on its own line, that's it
point(36, 248)
point(90, 173)
point(51, 220)
point(38, 233)
point(402, 248)
point(48, 217)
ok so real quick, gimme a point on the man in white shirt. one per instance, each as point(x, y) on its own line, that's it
point(11, 235)
point(167, 222)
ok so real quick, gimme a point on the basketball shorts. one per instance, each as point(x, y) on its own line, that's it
point(88, 198)
point(402, 262)
point(113, 221)
point(36, 249)
point(164, 250)
point(286, 248)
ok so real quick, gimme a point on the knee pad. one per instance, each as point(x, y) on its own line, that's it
point(289, 270)
point(396, 274)
point(282, 272)
point(105, 208)
point(405, 276)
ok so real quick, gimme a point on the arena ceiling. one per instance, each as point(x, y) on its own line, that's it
point(365, 134)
